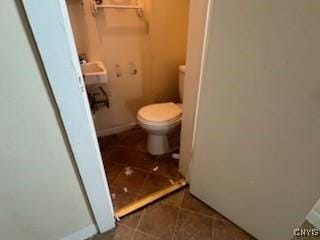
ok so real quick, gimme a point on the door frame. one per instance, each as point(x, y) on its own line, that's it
point(199, 25)
point(50, 24)
point(51, 27)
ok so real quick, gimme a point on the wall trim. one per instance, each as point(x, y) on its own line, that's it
point(115, 130)
point(56, 45)
point(314, 218)
point(82, 234)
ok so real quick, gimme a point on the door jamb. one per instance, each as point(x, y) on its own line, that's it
point(52, 31)
point(196, 57)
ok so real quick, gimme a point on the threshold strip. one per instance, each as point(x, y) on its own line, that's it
point(142, 202)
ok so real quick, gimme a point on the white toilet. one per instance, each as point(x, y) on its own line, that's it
point(160, 119)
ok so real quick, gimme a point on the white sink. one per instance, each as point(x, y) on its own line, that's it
point(94, 73)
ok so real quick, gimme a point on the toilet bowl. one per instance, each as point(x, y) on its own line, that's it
point(160, 119)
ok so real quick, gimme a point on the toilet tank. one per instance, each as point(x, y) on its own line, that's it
point(182, 73)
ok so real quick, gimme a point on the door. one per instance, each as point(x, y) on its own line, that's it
point(256, 151)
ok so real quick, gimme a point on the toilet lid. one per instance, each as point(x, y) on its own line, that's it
point(161, 112)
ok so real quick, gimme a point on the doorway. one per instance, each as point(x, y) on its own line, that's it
point(84, 149)
point(72, 89)
point(142, 69)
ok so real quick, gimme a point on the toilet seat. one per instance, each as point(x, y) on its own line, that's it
point(160, 114)
point(161, 120)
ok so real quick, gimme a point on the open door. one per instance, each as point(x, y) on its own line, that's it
point(256, 152)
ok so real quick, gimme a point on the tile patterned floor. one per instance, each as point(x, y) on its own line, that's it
point(131, 170)
point(179, 216)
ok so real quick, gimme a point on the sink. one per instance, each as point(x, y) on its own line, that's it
point(94, 73)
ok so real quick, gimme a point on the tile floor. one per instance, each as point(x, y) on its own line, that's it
point(133, 173)
point(180, 216)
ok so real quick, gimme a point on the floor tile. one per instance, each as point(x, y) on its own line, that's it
point(154, 183)
point(159, 220)
point(141, 146)
point(219, 217)
point(121, 198)
point(143, 236)
point(133, 139)
point(132, 182)
point(107, 142)
point(227, 231)
point(113, 170)
point(167, 167)
point(174, 199)
point(142, 161)
point(119, 233)
point(192, 203)
point(193, 226)
point(306, 225)
point(132, 220)
point(120, 155)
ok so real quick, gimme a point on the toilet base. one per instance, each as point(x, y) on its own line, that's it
point(158, 144)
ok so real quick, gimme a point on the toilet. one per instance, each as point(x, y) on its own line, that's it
point(160, 119)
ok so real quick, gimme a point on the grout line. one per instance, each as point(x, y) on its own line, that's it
point(183, 196)
point(150, 235)
point(202, 214)
point(139, 222)
point(213, 230)
point(176, 225)
point(120, 172)
point(144, 182)
point(137, 168)
point(199, 213)
point(146, 179)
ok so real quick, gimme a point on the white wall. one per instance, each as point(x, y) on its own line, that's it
point(156, 45)
point(40, 196)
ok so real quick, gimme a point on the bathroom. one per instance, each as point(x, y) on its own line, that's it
point(143, 53)
point(254, 147)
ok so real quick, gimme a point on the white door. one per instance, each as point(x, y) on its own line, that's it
point(256, 154)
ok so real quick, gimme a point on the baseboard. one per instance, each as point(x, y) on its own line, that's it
point(115, 130)
point(82, 234)
point(314, 218)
